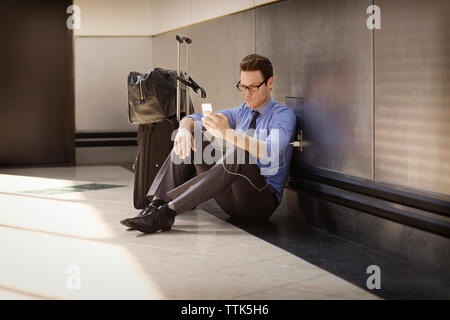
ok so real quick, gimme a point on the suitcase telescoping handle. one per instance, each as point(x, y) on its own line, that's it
point(180, 39)
point(186, 39)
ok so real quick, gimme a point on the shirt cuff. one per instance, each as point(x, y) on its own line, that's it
point(197, 122)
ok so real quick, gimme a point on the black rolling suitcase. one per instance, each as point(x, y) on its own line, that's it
point(155, 101)
point(151, 155)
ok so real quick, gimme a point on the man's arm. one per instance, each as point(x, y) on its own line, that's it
point(255, 147)
point(218, 126)
point(184, 140)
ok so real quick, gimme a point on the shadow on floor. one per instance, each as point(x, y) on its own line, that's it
point(341, 257)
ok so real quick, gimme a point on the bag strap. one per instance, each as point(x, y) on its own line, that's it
point(191, 83)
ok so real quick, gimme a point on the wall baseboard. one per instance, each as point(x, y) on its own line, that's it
point(105, 139)
point(105, 147)
point(419, 209)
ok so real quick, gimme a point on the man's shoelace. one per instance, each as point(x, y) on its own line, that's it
point(147, 210)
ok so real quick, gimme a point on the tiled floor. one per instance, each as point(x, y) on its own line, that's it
point(56, 236)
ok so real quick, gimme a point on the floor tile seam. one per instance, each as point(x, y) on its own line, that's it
point(74, 180)
point(101, 200)
point(284, 252)
point(225, 268)
point(253, 238)
point(85, 202)
point(274, 287)
point(206, 256)
point(186, 251)
point(39, 197)
point(124, 183)
point(54, 234)
point(162, 248)
point(200, 273)
point(82, 201)
point(30, 294)
point(279, 286)
point(54, 179)
point(234, 227)
point(222, 246)
point(101, 186)
point(354, 286)
point(175, 251)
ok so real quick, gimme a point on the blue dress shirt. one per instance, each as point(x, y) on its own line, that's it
point(276, 126)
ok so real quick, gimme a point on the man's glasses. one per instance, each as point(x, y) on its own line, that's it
point(251, 89)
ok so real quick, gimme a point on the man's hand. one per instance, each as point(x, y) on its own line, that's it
point(217, 125)
point(184, 142)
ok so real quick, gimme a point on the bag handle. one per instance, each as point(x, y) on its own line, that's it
point(191, 83)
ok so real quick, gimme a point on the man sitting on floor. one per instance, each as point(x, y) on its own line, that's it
point(246, 180)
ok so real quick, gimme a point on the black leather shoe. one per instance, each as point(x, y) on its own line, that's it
point(154, 222)
point(148, 209)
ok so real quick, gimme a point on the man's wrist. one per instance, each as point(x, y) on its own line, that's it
point(183, 132)
point(187, 123)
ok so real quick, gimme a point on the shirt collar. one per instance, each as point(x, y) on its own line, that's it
point(265, 108)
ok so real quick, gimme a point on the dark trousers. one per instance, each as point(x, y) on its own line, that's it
point(238, 188)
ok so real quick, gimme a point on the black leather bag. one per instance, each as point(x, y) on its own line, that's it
point(152, 96)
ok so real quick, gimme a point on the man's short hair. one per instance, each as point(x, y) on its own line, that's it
point(255, 62)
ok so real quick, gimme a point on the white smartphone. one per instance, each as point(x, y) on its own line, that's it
point(206, 107)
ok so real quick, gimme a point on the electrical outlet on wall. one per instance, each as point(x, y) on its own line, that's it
point(296, 104)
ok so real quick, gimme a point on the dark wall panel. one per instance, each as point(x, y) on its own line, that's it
point(412, 94)
point(36, 108)
point(322, 51)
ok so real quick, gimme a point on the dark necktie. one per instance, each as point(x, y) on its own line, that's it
point(253, 122)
